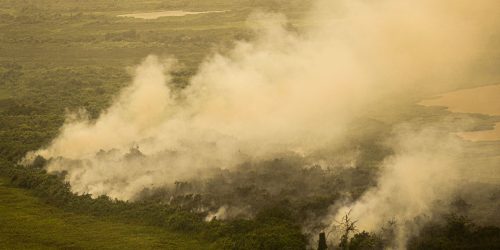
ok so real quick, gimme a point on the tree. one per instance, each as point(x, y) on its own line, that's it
point(347, 226)
point(322, 242)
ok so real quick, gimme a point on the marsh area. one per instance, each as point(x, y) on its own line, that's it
point(483, 100)
point(171, 13)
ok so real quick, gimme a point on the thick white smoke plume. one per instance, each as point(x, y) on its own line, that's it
point(284, 91)
point(416, 181)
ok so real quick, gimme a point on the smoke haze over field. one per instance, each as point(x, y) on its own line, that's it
point(288, 92)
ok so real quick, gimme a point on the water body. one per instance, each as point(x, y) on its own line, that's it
point(484, 100)
point(172, 13)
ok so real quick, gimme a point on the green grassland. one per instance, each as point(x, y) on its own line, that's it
point(26, 222)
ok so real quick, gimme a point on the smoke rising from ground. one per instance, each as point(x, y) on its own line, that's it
point(416, 181)
point(283, 92)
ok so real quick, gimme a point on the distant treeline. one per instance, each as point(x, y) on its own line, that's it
point(138, 5)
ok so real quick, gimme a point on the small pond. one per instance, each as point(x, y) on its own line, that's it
point(171, 13)
point(484, 100)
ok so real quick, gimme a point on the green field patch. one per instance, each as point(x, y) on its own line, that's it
point(28, 223)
